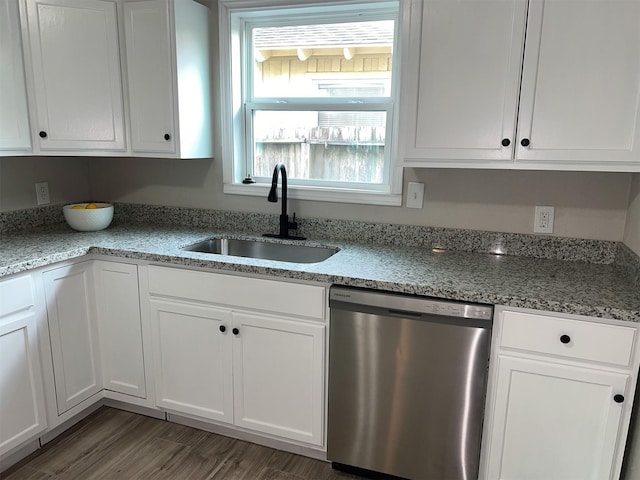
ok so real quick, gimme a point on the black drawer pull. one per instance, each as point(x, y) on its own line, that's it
point(618, 398)
point(235, 331)
point(223, 328)
point(565, 339)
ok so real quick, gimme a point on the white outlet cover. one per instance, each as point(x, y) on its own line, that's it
point(543, 219)
point(42, 193)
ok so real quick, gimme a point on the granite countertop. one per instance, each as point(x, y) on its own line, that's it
point(601, 290)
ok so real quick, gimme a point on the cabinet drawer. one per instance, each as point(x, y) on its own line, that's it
point(15, 294)
point(236, 291)
point(581, 340)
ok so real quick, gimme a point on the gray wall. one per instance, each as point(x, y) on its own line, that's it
point(68, 180)
point(632, 229)
point(588, 205)
point(603, 206)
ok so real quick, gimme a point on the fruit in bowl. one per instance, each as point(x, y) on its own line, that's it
point(88, 217)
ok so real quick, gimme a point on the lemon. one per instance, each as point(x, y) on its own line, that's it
point(91, 206)
point(77, 207)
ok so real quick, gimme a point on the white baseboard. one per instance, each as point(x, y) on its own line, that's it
point(18, 454)
point(233, 432)
point(128, 407)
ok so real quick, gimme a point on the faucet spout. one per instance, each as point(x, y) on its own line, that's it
point(285, 224)
point(273, 193)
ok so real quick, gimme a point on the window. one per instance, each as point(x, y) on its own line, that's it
point(312, 86)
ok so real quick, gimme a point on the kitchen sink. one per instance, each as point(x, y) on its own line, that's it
point(283, 252)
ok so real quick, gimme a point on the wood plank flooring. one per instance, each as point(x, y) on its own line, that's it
point(114, 444)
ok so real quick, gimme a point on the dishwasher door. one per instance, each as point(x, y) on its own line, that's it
point(407, 384)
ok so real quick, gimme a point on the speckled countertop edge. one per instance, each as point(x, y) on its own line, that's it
point(601, 290)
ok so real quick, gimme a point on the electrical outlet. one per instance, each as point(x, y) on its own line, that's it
point(42, 193)
point(415, 195)
point(543, 220)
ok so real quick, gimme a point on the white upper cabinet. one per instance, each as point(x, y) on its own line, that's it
point(76, 75)
point(573, 103)
point(167, 59)
point(580, 100)
point(15, 138)
point(463, 79)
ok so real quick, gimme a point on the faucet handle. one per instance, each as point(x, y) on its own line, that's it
point(293, 225)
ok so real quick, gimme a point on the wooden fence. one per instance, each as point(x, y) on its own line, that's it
point(351, 154)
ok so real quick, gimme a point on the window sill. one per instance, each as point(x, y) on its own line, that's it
point(319, 194)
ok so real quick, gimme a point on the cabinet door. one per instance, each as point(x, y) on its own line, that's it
point(22, 414)
point(118, 314)
point(14, 116)
point(462, 81)
point(151, 75)
point(22, 404)
point(580, 100)
point(74, 334)
point(192, 357)
point(76, 70)
point(278, 368)
point(555, 422)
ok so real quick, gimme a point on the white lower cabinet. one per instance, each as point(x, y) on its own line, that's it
point(120, 328)
point(192, 359)
point(278, 376)
point(248, 365)
point(22, 404)
point(73, 334)
point(560, 396)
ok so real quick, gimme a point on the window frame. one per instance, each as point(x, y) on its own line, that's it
point(237, 139)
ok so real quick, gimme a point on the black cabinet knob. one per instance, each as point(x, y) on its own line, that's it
point(235, 331)
point(43, 134)
point(618, 398)
point(525, 142)
point(223, 328)
point(506, 142)
point(167, 136)
point(565, 339)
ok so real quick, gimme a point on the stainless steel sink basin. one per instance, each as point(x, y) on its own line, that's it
point(283, 252)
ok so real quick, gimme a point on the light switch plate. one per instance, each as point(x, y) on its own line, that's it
point(415, 195)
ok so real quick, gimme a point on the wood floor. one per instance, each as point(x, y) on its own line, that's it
point(114, 444)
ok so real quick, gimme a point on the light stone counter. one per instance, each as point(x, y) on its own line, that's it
point(601, 290)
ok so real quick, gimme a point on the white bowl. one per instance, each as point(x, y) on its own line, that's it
point(88, 220)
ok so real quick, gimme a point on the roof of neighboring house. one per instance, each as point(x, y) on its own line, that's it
point(353, 34)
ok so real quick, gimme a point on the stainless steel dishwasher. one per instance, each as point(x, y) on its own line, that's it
point(407, 383)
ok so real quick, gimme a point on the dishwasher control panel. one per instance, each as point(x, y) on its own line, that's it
point(409, 303)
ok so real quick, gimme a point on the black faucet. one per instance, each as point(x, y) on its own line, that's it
point(285, 224)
